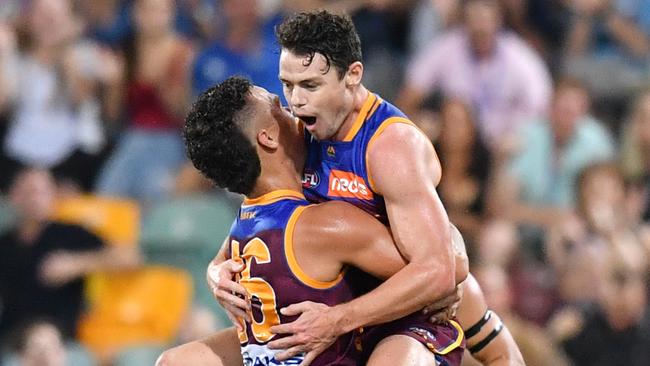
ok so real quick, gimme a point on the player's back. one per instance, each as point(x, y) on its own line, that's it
point(262, 236)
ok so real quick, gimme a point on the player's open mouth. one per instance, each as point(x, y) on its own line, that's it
point(309, 120)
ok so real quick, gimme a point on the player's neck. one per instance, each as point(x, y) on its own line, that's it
point(360, 96)
point(277, 174)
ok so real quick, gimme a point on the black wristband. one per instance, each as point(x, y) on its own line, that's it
point(474, 329)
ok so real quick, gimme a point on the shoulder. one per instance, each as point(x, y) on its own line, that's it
point(331, 221)
point(399, 139)
point(328, 215)
point(399, 131)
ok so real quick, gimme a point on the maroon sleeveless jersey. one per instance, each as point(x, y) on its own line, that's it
point(262, 237)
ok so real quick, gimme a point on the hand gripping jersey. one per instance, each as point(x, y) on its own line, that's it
point(338, 170)
point(262, 237)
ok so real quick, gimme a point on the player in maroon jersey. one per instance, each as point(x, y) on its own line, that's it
point(365, 151)
point(239, 137)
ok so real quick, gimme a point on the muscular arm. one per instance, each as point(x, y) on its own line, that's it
point(502, 350)
point(404, 168)
point(420, 229)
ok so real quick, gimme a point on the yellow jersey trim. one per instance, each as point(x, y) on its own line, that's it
point(361, 117)
point(374, 109)
point(274, 196)
point(387, 122)
point(291, 258)
point(457, 342)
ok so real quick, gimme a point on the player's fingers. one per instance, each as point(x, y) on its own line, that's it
point(296, 309)
point(237, 312)
point(285, 343)
point(233, 266)
point(232, 286)
point(228, 298)
point(286, 328)
point(309, 358)
point(235, 321)
point(293, 351)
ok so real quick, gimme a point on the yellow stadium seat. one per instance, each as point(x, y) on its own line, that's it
point(140, 307)
point(132, 307)
point(115, 220)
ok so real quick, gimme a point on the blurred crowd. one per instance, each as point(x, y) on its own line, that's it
point(539, 111)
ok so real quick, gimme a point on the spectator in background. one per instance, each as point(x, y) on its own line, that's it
point(578, 246)
point(39, 343)
point(491, 70)
point(536, 187)
point(541, 23)
point(43, 263)
point(150, 152)
point(109, 21)
point(607, 35)
point(384, 26)
point(466, 165)
point(636, 154)
point(537, 348)
point(246, 48)
point(50, 88)
point(615, 330)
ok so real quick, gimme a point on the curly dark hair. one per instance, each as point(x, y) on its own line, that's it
point(214, 137)
point(333, 36)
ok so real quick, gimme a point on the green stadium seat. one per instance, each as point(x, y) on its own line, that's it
point(139, 355)
point(187, 232)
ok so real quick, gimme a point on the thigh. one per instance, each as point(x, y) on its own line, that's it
point(401, 350)
point(220, 349)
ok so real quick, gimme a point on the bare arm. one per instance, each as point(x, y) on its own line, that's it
point(328, 237)
point(7, 53)
point(505, 200)
point(502, 350)
point(175, 88)
point(61, 267)
point(578, 39)
point(628, 34)
point(419, 225)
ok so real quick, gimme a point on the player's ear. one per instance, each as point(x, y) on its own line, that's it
point(354, 74)
point(269, 137)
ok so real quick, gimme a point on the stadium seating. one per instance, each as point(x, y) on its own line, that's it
point(144, 306)
point(187, 232)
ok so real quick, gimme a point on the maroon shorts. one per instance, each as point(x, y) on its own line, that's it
point(445, 340)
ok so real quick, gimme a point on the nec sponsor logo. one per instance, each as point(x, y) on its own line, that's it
point(349, 185)
point(310, 179)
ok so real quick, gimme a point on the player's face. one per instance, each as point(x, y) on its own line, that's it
point(315, 93)
point(268, 108)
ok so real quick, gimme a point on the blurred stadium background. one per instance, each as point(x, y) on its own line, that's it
point(539, 111)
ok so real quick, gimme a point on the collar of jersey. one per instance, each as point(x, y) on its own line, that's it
point(274, 196)
point(363, 115)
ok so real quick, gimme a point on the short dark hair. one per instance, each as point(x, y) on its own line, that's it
point(215, 141)
point(333, 36)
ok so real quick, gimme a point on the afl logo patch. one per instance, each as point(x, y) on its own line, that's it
point(310, 179)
